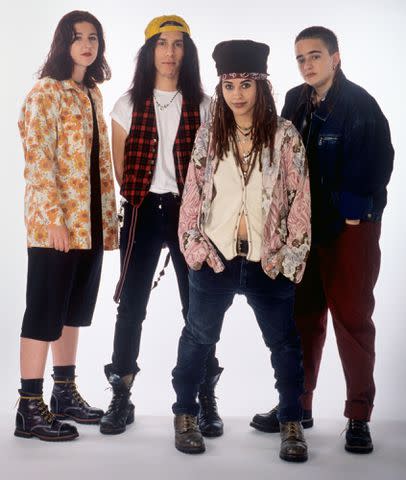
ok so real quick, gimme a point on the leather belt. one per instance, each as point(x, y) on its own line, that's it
point(242, 247)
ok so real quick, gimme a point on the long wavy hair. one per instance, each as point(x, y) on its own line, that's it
point(189, 82)
point(59, 63)
point(264, 123)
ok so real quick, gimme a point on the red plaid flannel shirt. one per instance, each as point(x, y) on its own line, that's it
point(141, 150)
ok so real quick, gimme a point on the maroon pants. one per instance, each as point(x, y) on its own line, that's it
point(341, 277)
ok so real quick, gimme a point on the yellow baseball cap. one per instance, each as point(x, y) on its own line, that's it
point(166, 23)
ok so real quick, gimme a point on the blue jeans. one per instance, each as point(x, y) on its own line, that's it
point(157, 224)
point(210, 295)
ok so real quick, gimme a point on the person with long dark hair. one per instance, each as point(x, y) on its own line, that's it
point(154, 126)
point(244, 228)
point(350, 156)
point(70, 215)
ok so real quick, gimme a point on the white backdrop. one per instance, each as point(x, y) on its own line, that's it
point(372, 48)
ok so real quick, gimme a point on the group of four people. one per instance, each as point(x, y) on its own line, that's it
point(226, 186)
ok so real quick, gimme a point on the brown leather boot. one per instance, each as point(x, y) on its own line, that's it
point(188, 438)
point(293, 443)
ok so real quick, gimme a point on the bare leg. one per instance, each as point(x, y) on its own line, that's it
point(33, 355)
point(64, 349)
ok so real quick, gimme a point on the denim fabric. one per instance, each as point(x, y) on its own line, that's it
point(348, 144)
point(157, 226)
point(211, 294)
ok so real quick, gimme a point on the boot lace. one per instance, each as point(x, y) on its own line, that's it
point(357, 425)
point(189, 423)
point(77, 396)
point(293, 430)
point(208, 404)
point(44, 412)
point(115, 402)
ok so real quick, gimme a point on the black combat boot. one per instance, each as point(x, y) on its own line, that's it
point(66, 402)
point(210, 423)
point(358, 437)
point(268, 422)
point(188, 438)
point(121, 410)
point(33, 419)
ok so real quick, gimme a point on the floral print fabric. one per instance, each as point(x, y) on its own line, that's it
point(285, 205)
point(56, 128)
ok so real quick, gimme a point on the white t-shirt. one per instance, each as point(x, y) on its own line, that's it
point(167, 120)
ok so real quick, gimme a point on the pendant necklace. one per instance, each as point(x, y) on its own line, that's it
point(245, 139)
point(165, 105)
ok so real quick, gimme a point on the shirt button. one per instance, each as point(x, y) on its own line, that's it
point(369, 215)
point(154, 140)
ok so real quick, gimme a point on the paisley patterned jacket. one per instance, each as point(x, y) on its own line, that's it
point(285, 205)
point(56, 127)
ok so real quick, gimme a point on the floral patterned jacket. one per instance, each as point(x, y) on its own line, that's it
point(56, 127)
point(285, 205)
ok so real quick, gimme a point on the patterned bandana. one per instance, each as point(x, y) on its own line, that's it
point(252, 76)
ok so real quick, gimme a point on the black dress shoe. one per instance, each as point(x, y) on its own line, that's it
point(66, 402)
point(121, 410)
point(210, 423)
point(293, 443)
point(188, 438)
point(358, 437)
point(33, 419)
point(269, 423)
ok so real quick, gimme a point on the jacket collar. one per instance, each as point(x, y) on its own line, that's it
point(325, 107)
point(70, 84)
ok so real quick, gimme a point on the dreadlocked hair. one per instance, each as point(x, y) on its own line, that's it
point(263, 127)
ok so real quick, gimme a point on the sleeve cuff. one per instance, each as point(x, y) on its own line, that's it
point(353, 206)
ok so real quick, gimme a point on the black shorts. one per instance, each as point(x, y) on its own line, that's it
point(61, 290)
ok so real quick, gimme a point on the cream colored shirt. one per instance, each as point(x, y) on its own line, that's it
point(232, 200)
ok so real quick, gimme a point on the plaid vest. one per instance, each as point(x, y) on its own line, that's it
point(141, 150)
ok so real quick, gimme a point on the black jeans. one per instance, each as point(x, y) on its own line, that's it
point(157, 224)
point(211, 294)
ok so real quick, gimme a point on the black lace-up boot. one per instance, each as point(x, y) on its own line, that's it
point(121, 410)
point(188, 438)
point(66, 402)
point(293, 443)
point(210, 423)
point(268, 422)
point(33, 419)
point(358, 438)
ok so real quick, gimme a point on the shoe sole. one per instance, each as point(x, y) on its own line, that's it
point(361, 450)
point(212, 434)
point(294, 458)
point(275, 429)
point(191, 450)
point(61, 416)
point(117, 431)
point(67, 438)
